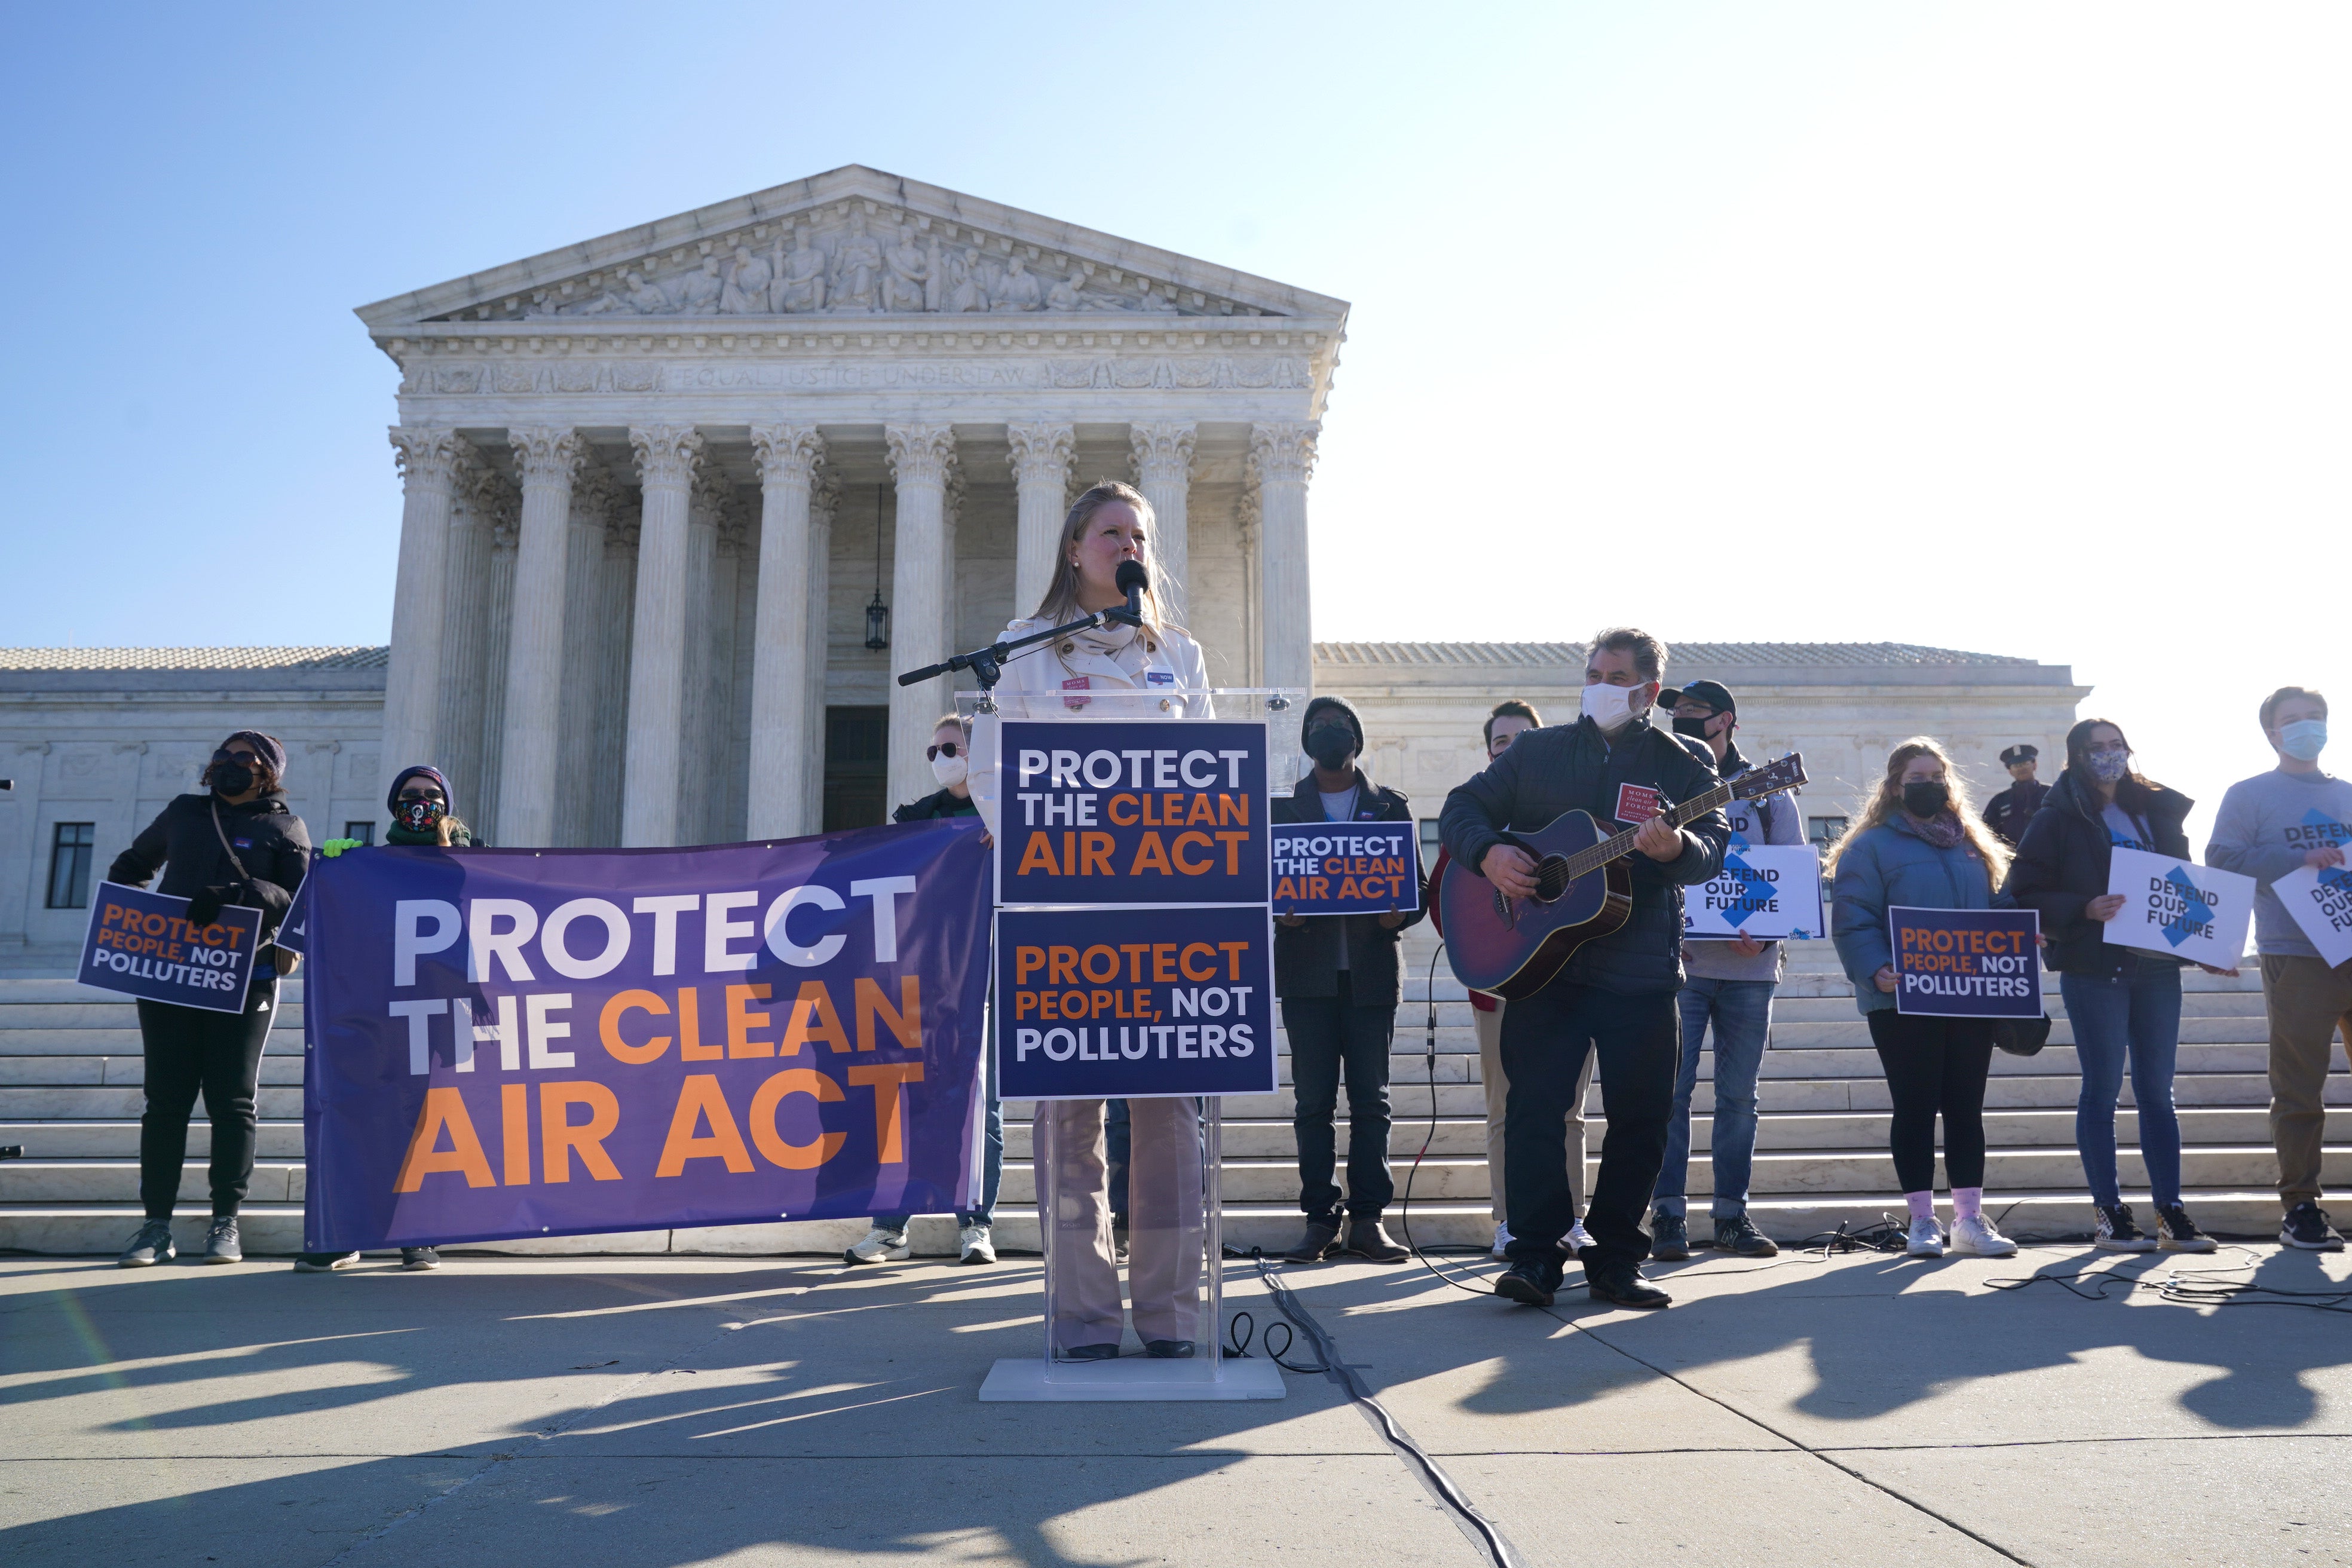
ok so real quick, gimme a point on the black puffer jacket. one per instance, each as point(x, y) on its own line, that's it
point(269, 838)
point(1572, 767)
point(1307, 955)
point(932, 806)
point(2062, 865)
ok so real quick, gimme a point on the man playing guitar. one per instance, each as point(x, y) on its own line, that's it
point(1616, 994)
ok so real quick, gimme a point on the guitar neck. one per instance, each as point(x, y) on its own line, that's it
point(1618, 846)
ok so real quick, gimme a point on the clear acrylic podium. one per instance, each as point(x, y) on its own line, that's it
point(1171, 1287)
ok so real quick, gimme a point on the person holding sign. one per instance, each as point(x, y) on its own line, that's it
point(1729, 985)
point(1339, 982)
point(2296, 815)
point(1108, 525)
point(236, 844)
point(1918, 845)
point(2124, 1003)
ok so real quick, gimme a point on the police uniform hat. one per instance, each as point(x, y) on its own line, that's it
point(2019, 753)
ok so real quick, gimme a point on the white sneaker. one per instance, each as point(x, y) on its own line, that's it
point(1579, 1238)
point(1974, 1236)
point(975, 1245)
point(879, 1246)
point(1502, 1247)
point(1926, 1239)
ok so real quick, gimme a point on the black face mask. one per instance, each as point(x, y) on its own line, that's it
point(231, 778)
point(1925, 797)
point(420, 816)
point(1695, 728)
point(1330, 744)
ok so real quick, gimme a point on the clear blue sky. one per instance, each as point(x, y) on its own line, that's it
point(2006, 327)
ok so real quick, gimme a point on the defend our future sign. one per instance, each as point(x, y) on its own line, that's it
point(2179, 909)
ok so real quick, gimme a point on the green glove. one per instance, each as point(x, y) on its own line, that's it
point(334, 846)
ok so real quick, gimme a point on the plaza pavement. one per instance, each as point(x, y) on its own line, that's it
point(586, 1411)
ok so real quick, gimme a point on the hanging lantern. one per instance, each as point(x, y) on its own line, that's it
point(878, 614)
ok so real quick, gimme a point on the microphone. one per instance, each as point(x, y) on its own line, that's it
point(1133, 580)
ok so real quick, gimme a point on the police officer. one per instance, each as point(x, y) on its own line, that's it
point(2008, 813)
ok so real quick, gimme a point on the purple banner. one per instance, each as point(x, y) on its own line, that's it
point(508, 1043)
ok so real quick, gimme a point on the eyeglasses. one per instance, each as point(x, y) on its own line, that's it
point(944, 749)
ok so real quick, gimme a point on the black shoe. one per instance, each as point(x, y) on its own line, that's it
point(1366, 1240)
point(1170, 1350)
point(1530, 1284)
point(1621, 1285)
point(2306, 1227)
point(2176, 1232)
point(151, 1245)
point(1118, 1236)
point(221, 1243)
point(1320, 1242)
point(1739, 1236)
point(1669, 1237)
point(419, 1257)
point(1092, 1353)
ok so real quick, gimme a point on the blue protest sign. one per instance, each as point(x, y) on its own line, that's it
point(1134, 1003)
point(140, 943)
point(1346, 868)
point(1967, 964)
point(1132, 812)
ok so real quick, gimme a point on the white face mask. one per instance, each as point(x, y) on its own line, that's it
point(949, 771)
point(1610, 707)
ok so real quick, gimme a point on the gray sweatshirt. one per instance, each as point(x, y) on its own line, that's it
point(2266, 825)
point(1778, 822)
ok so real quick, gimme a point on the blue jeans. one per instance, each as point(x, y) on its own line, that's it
point(991, 1174)
point(1741, 1011)
point(2135, 1013)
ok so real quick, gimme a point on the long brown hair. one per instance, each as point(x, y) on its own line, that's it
point(2133, 790)
point(1061, 601)
point(1888, 799)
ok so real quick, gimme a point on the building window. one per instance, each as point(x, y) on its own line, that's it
point(1824, 831)
point(363, 831)
point(1431, 841)
point(857, 767)
point(69, 854)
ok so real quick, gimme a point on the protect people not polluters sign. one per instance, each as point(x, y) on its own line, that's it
point(1967, 964)
point(1346, 868)
point(1764, 890)
point(142, 945)
point(2179, 907)
point(2320, 900)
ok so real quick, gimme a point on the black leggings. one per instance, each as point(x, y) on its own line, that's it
point(190, 1049)
point(1932, 1065)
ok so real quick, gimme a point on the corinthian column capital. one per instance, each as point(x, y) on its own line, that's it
point(921, 454)
point(667, 454)
point(787, 453)
point(1286, 451)
point(427, 457)
point(1042, 453)
point(1163, 453)
point(546, 454)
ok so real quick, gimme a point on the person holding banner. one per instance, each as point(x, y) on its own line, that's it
point(949, 754)
point(1728, 984)
point(1157, 666)
point(1917, 844)
point(2124, 1003)
point(235, 844)
point(1339, 982)
point(2294, 815)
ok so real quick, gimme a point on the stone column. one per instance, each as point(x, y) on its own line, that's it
point(427, 459)
point(466, 663)
point(616, 602)
point(1283, 456)
point(920, 456)
point(784, 725)
point(820, 647)
point(706, 624)
point(498, 598)
point(547, 459)
point(584, 707)
point(1163, 472)
point(1041, 476)
point(668, 457)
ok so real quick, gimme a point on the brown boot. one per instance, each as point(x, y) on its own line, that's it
point(1320, 1242)
point(1366, 1240)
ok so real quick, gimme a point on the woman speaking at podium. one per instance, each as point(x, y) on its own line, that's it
point(1152, 670)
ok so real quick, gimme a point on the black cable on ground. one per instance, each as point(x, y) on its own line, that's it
point(1498, 1551)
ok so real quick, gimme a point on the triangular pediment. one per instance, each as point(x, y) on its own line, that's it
point(854, 242)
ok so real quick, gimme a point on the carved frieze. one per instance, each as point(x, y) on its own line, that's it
point(1277, 373)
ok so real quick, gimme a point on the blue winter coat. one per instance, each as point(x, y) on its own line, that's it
point(1889, 866)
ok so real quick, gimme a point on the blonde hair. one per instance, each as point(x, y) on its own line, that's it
point(960, 721)
point(1888, 799)
point(1061, 601)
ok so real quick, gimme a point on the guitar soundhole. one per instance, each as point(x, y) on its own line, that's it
point(1552, 879)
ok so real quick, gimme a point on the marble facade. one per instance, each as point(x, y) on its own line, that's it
point(653, 481)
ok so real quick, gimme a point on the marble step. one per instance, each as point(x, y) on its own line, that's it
point(15, 1072)
point(64, 1140)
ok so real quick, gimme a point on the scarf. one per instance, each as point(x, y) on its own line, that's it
point(1942, 830)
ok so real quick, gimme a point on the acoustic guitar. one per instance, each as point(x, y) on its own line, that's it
point(1512, 947)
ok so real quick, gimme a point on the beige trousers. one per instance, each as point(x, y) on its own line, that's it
point(1163, 1219)
point(1498, 1085)
point(2307, 1000)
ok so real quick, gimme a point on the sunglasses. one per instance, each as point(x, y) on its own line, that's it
point(236, 757)
point(944, 749)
